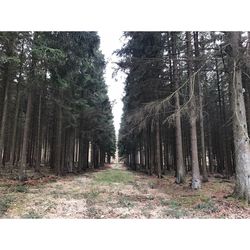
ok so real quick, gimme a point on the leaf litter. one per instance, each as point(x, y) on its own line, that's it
point(115, 192)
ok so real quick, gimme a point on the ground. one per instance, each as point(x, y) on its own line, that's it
point(115, 192)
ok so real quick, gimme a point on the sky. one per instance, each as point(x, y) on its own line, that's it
point(111, 41)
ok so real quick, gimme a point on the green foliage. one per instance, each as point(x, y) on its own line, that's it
point(65, 71)
point(140, 59)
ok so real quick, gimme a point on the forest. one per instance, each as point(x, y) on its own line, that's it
point(187, 105)
point(183, 143)
point(53, 102)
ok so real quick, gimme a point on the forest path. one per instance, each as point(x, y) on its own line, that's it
point(115, 192)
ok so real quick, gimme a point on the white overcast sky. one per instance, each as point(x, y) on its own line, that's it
point(111, 41)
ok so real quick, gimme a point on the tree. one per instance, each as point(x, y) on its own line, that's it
point(240, 132)
point(180, 173)
point(196, 182)
point(55, 103)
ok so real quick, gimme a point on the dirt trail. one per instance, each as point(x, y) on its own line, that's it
point(114, 192)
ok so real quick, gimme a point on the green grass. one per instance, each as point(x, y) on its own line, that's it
point(21, 189)
point(189, 201)
point(174, 204)
point(114, 176)
point(207, 206)
point(5, 203)
point(18, 189)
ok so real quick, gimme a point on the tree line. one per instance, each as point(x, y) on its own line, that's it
point(54, 107)
point(187, 105)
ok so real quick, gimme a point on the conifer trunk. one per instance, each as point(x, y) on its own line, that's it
point(38, 147)
point(201, 120)
point(196, 182)
point(22, 168)
point(180, 169)
point(4, 115)
point(158, 148)
point(241, 138)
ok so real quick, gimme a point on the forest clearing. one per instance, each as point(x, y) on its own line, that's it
point(115, 192)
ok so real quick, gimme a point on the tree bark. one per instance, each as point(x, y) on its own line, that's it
point(22, 169)
point(241, 138)
point(58, 148)
point(180, 169)
point(201, 122)
point(4, 115)
point(158, 148)
point(196, 182)
point(38, 147)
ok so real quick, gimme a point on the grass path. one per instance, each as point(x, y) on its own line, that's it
point(114, 192)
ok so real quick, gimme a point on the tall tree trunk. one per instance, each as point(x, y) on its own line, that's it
point(196, 182)
point(14, 133)
point(6, 83)
point(151, 162)
point(58, 148)
point(22, 173)
point(201, 122)
point(4, 115)
point(158, 148)
point(86, 154)
point(241, 138)
point(38, 147)
point(180, 169)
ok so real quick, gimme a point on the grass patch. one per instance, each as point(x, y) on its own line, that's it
point(57, 194)
point(174, 204)
point(124, 216)
point(93, 194)
point(125, 202)
point(18, 189)
point(4, 184)
point(164, 202)
point(114, 176)
point(152, 185)
point(190, 200)
point(21, 189)
point(78, 196)
point(5, 203)
point(93, 213)
point(32, 214)
point(208, 207)
point(175, 213)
